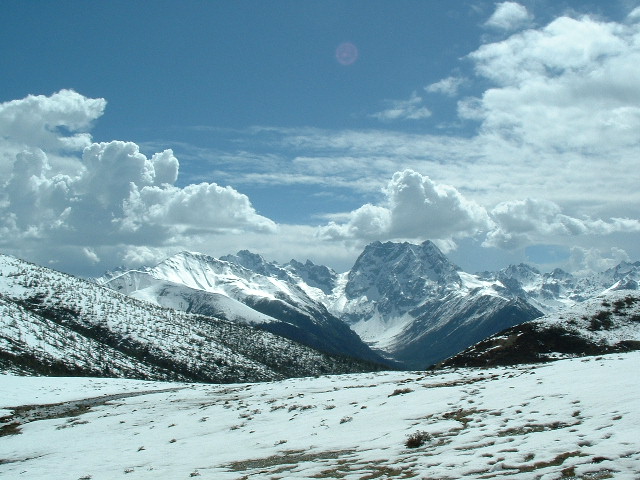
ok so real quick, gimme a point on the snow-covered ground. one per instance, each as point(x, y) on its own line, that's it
point(575, 418)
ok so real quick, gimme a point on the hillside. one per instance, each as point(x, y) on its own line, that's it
point(607, 323)
point(55, 324)
point(571, 419)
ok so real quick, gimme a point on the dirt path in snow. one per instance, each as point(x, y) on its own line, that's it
point(10, 424)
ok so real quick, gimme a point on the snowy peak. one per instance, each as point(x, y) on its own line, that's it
point(399, 296)
point(317, 276)
point(247, 259)
point(184, 262)
point(412, 303)
point(402, 270)
point(549, 291)
point(255, 263)
point(626, 276)
point(623, 272)
point(625, 268)
point(559, 274)
point(238, 276)
point(523, 273)
point(626, 284)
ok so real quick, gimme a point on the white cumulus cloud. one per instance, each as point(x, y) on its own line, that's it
point(204, 207)
point(57, 124)
point(415, 208)
point(525, 222)
point(573, 85)
point(99, 195)
point(509, 16)
point(585, 261)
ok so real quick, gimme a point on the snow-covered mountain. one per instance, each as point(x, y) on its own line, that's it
point(53, 323)
point(408, 302)
point(315, 276)
point(550, 291)
point(244, 288)
point(412, 303)
point(607, 323)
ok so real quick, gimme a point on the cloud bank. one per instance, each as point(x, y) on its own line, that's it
point(417, 208)
point(573, 85)
point(523, 222)
point(97, 195)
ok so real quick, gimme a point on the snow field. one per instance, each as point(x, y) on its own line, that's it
point(575, 418)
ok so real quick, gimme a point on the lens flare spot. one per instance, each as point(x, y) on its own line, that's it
point(346, 53)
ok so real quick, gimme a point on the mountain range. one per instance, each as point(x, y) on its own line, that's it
point(242, 318)
point(243, 288)
point(407, 302)
point(194, 318)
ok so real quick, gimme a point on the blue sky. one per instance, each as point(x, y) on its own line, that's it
point(231, 64)
point(505, 131)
